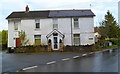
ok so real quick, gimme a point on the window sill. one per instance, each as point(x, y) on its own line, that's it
point(37, 29)
point(55, 28)
point(76, 28)
point(16, 30)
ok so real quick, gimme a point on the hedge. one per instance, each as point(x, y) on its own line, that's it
point(115, 41)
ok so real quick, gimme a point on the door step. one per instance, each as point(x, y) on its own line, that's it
point(56, 50)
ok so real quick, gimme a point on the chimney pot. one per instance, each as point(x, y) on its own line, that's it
point(27, 8)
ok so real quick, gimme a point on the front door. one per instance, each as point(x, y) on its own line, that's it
point(55, 44)
point(18, 42)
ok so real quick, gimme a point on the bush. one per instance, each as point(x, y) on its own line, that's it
point(115, 41)
point(4, 46)
point(102, 43)
point(31, 49)
point(80, 48)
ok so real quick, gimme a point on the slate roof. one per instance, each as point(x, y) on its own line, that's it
point(30, 14)
point(52, 14)
point(71, 13)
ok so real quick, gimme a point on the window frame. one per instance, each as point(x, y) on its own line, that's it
point(15, 25)
point(37, 38)
point(55, 23)
point(76, 22)
point(37, 23)
point(78, 39)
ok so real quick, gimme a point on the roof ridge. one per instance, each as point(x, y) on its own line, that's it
point(70, 10)
point(52, 13)
point(55, 10)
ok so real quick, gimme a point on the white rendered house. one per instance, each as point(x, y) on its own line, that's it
point(72, 27)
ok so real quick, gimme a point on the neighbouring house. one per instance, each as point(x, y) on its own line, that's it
point(97, 34)
point(70, 27)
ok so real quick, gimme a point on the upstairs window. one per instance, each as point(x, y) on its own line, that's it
point(15, 25)
point(37, 39)
point(55, 23)
point(37, 23)
point(76, 23)
point(76, 39)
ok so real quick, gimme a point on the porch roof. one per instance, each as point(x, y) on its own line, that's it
point(55, 31)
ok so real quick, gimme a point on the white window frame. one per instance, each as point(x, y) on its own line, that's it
point(37, 22)
point(76, 38)
point(55, 23)
point(39, 37)
point(76, 23)
point(15, 25)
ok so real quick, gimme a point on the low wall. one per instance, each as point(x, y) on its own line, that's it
point(79, 48)
point(31, 49)
point(45, 48)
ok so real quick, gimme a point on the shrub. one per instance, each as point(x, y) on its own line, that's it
point(4, 46)
point(115, 41)
point(31, 49)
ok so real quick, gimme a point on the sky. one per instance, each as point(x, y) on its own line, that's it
point(98, 7)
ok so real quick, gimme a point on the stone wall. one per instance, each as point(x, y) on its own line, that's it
point(79, 48)
point(31, 49)
point(48, 48)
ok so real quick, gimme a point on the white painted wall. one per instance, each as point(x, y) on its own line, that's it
point(65, 28)
point(86, 29)
point(84, 39)
point(10, 34)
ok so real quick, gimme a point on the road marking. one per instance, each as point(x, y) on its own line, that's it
point(30, 67)
point(75, 57)
point(84, 54)
point(51, 62)
point(65, 59)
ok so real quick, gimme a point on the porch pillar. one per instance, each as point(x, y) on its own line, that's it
point(61, 45)
point(49, 45)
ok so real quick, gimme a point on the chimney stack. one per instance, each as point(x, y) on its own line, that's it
point(27, 8)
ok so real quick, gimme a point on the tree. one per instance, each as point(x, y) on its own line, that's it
point(4, 37)
point(22, 36)
point(0, 37)
point(109, 27)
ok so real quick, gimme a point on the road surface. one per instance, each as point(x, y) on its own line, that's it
point(63, 62)
point(98, 62)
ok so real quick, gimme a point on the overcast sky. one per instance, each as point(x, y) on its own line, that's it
point(98, 7)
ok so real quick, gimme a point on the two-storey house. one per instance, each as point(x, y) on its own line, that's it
point(72, 27)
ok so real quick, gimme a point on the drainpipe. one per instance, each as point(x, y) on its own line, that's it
point(71, 32)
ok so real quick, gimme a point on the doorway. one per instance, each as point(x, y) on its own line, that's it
point(18, 42)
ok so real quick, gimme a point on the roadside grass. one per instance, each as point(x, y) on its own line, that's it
point(113, 46)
